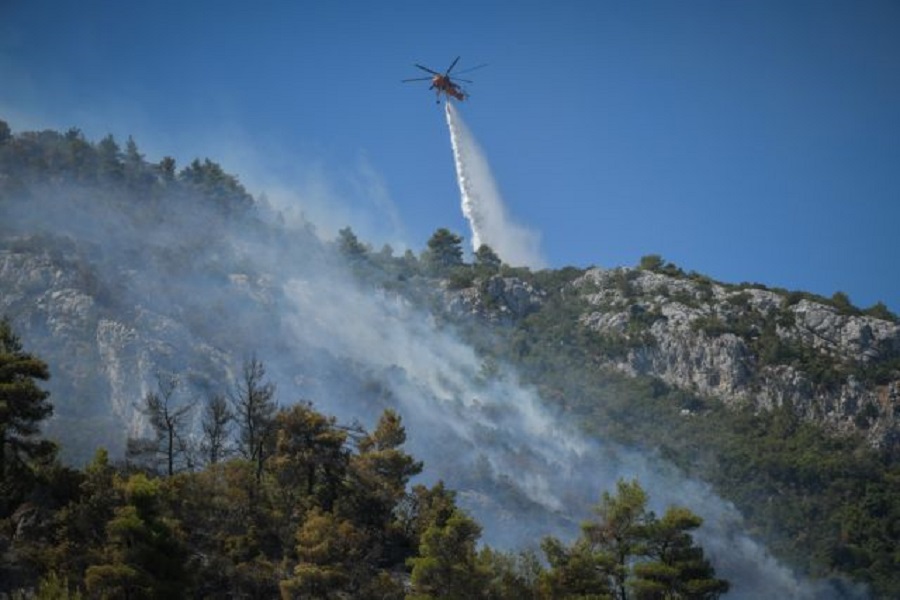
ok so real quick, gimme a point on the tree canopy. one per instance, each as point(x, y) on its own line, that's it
point(310, 508)
point(24, 405)
point(444, 251)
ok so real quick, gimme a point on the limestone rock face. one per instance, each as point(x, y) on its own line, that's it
point(104, 358)
point(109, 334)
point(855, 338)
point(740, 344)
point(713, 339)
point(498, 300)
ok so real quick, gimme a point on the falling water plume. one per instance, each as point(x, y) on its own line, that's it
point(482, 204)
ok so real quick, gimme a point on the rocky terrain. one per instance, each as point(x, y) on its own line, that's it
point(118, 273)
point(740, 344)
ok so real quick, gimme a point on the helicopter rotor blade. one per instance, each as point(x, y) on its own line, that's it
point(461, 79)
point(450, 68)
point(416, 79)
point(427, 69)
point(470, 69)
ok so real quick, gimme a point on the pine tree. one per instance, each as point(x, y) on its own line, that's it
point(678, 568)
point(382, 466)
point(444, 251)
point(310, 457)
point(447, 565)
point(254, 406)
point(628, 553)
point(350, 246)
point(619, 530)
point(144, 556)
point(168, 420)
point(23, 406)
point(379, 474)
point(5, 131)
point(486, 260)
point(84, 520)
point(330, 550)
point(216, 424)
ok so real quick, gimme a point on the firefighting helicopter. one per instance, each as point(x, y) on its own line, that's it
point(442, 84)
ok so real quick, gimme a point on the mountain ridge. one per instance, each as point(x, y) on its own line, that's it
point(115, 270)
point(739, 344)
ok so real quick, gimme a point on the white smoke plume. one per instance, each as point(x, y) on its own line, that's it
point(523, 470)
point(483, 205)
point(485, 435)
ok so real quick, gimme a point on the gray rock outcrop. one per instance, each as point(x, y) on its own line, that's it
point(706, 338)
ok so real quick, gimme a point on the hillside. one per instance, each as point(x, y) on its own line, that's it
point(829, 362)
point(116, 270)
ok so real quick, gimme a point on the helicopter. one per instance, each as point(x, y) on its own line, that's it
point(442, 84)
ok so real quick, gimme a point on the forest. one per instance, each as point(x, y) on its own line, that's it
point(274, 498)
point(285, 501)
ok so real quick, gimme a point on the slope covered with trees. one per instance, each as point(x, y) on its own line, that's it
point(217, 487)
point(297, 505)
point(824, 497)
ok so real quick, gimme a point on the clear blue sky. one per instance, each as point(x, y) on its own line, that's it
point(749, 140)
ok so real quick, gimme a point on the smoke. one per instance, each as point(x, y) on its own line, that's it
point(196, 291)
point(482, 204)
point(523, 471)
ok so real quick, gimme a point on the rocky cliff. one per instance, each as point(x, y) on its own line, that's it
point(105, 356)
point(742, 344)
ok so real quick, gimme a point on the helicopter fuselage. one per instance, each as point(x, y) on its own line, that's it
point(441, 82)
point(444, 85)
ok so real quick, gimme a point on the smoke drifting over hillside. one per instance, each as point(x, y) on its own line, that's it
point(482, 204)
point(190, 289)
point(496, 442)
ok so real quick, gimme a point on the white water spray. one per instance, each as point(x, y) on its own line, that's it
point(482, 204)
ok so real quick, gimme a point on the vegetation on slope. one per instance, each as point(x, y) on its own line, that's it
point(294, 504)
point(827, 504)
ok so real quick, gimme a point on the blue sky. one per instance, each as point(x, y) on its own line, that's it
point(748, 140)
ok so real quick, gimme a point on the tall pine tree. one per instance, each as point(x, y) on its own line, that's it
point(23, 406)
